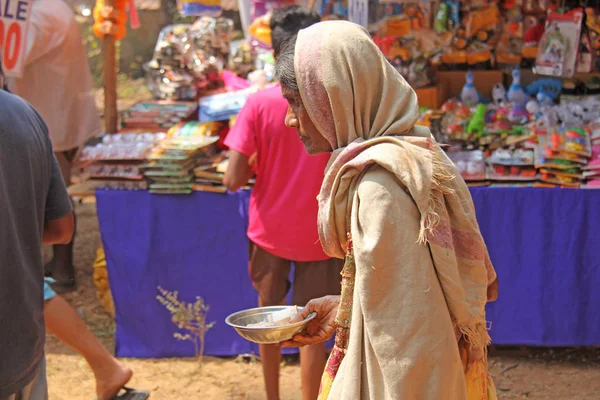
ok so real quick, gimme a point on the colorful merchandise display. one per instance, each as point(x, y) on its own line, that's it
point(559, 45)
point(483, 34)
point(513, 131)
point(529, 135)
point(157, 114)
point(190, 156)
point(510, 89)
point(170, 165)
point(188, 59)
point(115, 163)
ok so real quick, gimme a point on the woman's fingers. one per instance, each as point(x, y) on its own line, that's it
point(291, 343)
point(310, 307)
point(303, 340)
point(321, 328)
point(309, 340)
point(302, 315)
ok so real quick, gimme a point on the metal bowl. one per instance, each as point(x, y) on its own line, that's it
point(241, 319)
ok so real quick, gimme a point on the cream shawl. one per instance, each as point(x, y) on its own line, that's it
point(367, 112)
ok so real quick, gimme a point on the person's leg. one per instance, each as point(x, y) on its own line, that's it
point(313, 280)
point(61, 268)
point(312, 365)
point(270, 358)
point(64, 323)
point(269, 275)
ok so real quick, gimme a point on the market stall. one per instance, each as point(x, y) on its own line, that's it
point(528, 144)
point(197, 246)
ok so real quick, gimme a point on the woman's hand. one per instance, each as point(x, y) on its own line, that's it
point(319, 329)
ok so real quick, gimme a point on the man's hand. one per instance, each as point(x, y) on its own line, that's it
point(238, 171)
point(322, 327)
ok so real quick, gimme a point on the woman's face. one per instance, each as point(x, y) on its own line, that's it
point(297, 118)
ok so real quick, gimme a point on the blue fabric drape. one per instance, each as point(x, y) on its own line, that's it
point(543, 242)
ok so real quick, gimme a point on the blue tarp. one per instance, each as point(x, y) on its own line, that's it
point(544, 244)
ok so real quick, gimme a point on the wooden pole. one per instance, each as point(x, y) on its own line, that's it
point(110, 80)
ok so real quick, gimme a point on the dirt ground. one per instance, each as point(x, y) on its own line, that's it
point(552, 374)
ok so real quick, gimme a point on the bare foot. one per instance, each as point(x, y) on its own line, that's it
point(110, 379)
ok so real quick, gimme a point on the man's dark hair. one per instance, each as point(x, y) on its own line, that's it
point(288, 21)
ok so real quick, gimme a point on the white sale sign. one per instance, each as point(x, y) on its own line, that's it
point(358, 12)
point(14, 24)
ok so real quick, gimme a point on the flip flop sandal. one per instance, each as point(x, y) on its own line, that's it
point(131, 394)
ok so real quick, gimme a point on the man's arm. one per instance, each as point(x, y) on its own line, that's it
point(243, 149)
point(59, 231)
point(59, 224)
point(238, 171)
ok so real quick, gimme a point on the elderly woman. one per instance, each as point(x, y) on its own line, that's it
point(410, 323)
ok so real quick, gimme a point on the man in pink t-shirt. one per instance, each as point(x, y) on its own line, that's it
point(283, 208)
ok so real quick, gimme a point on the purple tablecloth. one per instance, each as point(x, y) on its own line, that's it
point(543, 242)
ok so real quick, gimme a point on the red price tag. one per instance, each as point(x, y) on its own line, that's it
point(14, 24)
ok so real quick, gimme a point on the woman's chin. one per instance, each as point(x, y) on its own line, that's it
point(310, 149)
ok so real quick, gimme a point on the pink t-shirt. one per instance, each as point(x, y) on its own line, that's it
point(283, 204)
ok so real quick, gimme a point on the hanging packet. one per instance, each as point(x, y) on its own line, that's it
point(558, 48)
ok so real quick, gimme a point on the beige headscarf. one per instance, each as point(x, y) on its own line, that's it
point(367, 112)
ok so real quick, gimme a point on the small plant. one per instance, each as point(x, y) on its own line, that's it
point(187, 316)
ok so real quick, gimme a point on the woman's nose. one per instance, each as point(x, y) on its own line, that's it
point(291, 121)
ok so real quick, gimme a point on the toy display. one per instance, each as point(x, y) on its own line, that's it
point(558, 46)
point(485, 34)
point(533, 32)
point(506, 131)
point(414, 52)
point(516, 93)
point(510, 44)
point(512, 165)
point(157, 114)
point(499, 95)
point(477, 124)
point(471, 164)
point(470, 42)
point(592, 22)
point(469, 94)
point(188, 59)
point(545, 142)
